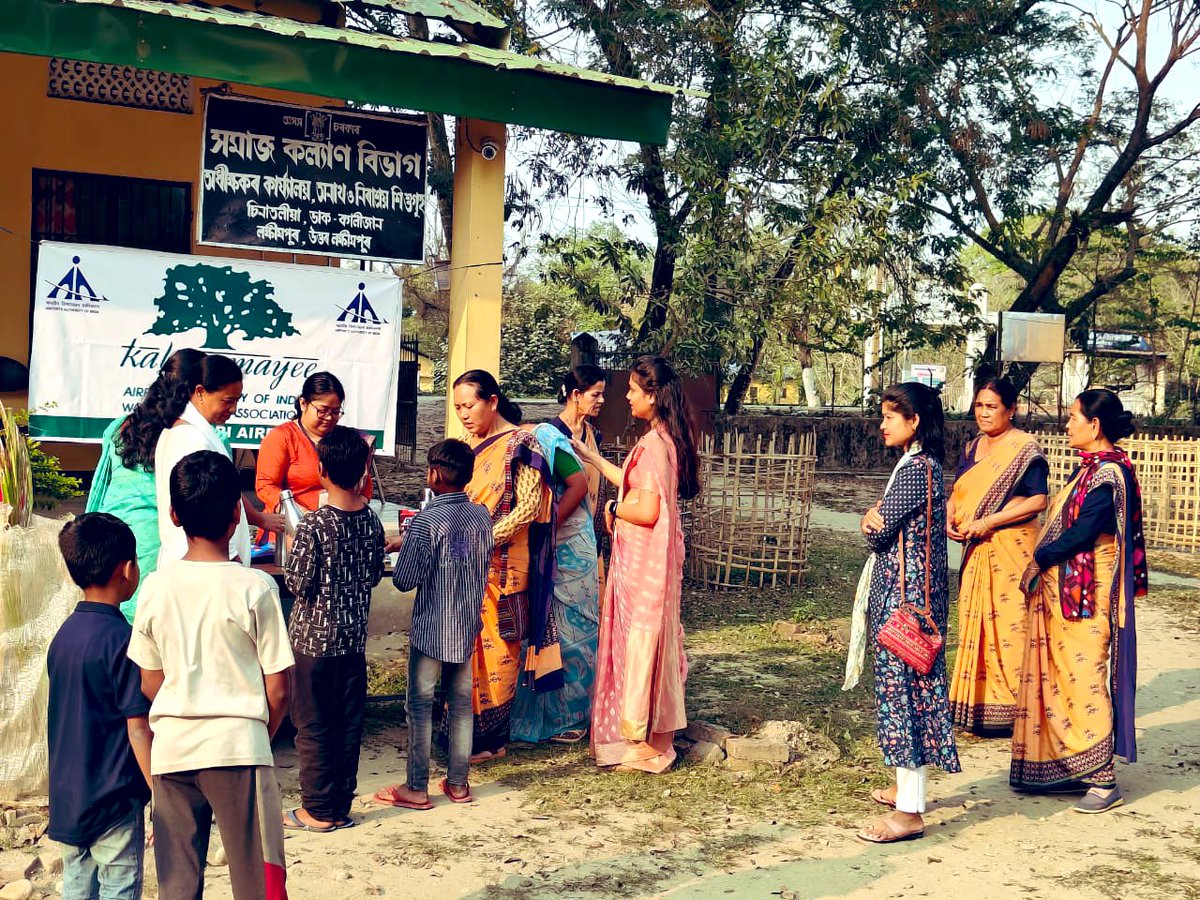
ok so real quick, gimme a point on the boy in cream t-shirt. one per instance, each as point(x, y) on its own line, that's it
point(211, 641)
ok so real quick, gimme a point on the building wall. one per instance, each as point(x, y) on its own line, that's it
point(75, 136)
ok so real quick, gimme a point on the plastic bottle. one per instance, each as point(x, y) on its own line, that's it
point(292, 514)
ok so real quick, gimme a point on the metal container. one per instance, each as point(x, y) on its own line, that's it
point(292, 514)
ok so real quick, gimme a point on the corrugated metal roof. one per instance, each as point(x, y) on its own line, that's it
point(450, 10)
point(405, 73)
point(496, 59)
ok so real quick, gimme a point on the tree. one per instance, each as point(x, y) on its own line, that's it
point(1025, 177)
point(223, 302)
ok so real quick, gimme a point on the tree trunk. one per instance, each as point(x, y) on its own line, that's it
point(745, 374)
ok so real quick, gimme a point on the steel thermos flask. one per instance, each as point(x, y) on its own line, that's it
point(292, 514)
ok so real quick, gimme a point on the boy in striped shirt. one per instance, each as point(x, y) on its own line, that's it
point(445, 554)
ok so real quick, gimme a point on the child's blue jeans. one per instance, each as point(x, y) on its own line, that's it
point(111, 867)
point(423, 674)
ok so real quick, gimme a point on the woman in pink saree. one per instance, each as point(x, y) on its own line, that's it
point(640, 667)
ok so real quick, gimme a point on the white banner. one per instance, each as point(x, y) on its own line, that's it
point(106, 318)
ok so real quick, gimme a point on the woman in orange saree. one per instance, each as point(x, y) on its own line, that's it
point(638, 703)
point(1075, 708)
point(1000, 489)
point(511, 479)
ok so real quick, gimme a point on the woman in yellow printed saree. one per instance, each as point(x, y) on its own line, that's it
point(1075, 708)
point(511, 479)
point(998, 493)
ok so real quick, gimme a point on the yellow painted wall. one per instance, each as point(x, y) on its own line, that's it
point(72, 136)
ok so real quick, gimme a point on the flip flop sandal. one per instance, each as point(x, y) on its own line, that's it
point(464, 798)
point(478, 759)
point(894, 836)
point(292, 822)
point(388, 797)
point(574, 736)
point(341, 826)
point(882, 799)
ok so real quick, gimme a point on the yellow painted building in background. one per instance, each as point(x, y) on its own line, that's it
point(149, 159)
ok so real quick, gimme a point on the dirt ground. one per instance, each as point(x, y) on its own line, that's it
point(547, 824)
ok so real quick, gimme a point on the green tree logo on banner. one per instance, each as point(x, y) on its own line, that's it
point(221, 301)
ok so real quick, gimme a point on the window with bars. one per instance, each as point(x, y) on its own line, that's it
point(87, 208)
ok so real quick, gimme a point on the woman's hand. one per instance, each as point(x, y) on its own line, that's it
point(954, 534)
point(269, 521)
point(583, 451)
point(977, 530)
point(872, 522)
point(1029, 581)
point(393, 545)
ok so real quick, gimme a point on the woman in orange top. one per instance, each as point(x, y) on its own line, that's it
point(287, 458)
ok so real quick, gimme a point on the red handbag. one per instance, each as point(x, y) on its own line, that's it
point(902, 633)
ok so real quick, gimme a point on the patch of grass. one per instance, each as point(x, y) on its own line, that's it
point(1182, 603)
point(387, 677)
point(1186, 565)
point(626, 881)
point(421, 850)
point(1135, 874)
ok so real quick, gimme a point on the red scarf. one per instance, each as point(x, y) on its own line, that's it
point(1079, 575)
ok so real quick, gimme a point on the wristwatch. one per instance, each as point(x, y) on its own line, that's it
point(611, 507)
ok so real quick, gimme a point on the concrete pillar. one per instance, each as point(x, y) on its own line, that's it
point(476, 254)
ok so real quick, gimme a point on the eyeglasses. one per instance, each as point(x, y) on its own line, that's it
point(324, 412)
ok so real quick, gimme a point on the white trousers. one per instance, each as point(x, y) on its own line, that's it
point(910, 790)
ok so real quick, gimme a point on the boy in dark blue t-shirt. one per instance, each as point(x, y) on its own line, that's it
point(99, 732)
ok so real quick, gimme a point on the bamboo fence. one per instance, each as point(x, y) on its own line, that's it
point(1168, 470)
point(749, 525)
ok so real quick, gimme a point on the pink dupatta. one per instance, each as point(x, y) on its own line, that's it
point(641, 667)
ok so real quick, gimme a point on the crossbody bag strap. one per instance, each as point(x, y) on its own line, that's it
point(927, 612)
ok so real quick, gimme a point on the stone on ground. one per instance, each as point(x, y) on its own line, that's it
point(17, 890)
point(757, 750)
point(705, 753)
point(700, 731)
point(803, 744)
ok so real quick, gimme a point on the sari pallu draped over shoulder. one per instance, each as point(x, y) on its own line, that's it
point(992, 614)
point(516, 606)
point(1082, 631)
point(540, 715)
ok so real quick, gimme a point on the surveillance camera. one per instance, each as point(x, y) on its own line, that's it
point(489, 149)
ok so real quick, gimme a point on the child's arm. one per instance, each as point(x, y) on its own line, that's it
point(140, 738)
point(416, 555)
point(152, 680)
point(274, 654)
point(301, 573)
point(278, 697)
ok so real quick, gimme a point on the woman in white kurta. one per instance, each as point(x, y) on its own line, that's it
point(213, 402)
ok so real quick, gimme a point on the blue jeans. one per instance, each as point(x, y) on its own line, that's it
point(423, 674)
point(111, 867)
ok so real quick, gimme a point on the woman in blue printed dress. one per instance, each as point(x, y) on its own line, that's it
point(915, 726)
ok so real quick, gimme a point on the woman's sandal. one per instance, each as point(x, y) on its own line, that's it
point(388, 797)
point(573, 736)
point(291, 822)
point(488, 756)
point(461, 798)
point(895, 833)
point(880, 796)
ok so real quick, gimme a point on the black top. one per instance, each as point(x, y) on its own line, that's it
point(1098, 516)
point(1034, 483)
point(95, 781)
point(336, 561)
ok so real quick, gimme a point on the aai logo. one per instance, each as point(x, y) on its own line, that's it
point(74, 292)
point(359, 316)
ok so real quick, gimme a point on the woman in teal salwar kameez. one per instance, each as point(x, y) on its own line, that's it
point(123, 484)
point(563, 715)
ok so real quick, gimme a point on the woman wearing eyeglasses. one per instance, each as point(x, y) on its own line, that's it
point(287, 457)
